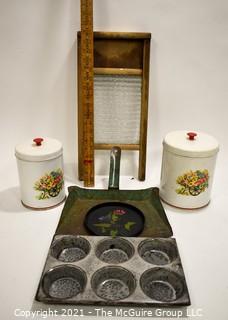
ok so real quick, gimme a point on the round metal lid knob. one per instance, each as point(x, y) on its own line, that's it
point(191, 135)
point(38, 141)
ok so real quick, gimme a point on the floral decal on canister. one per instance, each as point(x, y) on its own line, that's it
point(192, 183)
point(49, 185)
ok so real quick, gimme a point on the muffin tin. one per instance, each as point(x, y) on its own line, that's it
point(113, 271)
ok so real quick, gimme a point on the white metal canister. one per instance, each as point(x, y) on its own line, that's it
point(187, 171)
point(40, 168)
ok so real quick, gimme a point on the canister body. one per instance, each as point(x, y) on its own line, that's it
point(188, 165)
point(186, 182)
point(41, 182)
point(40, 170)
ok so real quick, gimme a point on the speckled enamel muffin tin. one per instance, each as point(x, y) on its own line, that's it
point(113, 271)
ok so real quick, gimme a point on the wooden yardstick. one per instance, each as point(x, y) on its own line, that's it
point(87, 95)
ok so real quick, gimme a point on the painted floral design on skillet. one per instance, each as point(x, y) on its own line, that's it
point(192, 183)
point(111, 222)
point(49, 185)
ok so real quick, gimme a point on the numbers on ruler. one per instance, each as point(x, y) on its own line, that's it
point(87, 89)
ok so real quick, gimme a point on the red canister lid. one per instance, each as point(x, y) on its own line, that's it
point(39, 149)
point(191, 143)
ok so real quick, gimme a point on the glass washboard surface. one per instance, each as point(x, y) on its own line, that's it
point(121, 82)
point(117, 109)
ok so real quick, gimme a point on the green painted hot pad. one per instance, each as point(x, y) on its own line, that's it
point(82, 201)
point(114, 212)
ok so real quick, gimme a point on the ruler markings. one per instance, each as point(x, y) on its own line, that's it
point(87, 90)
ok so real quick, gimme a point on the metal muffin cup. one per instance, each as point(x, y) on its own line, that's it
point(162, 285)
point(113, 283)
point(115, 250)
point(157, 251)
point(63, 282)
point(70, 249)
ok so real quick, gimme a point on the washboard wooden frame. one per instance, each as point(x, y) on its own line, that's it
point(120, 53)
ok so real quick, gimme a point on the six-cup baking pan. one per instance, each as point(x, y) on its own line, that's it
point(131, 271)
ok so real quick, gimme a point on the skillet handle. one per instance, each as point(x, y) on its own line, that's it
point(114, 171)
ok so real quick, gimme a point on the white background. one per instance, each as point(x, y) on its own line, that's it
point(188, 90)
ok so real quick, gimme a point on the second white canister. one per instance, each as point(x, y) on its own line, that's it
point(187, 171)
point(40, 168)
